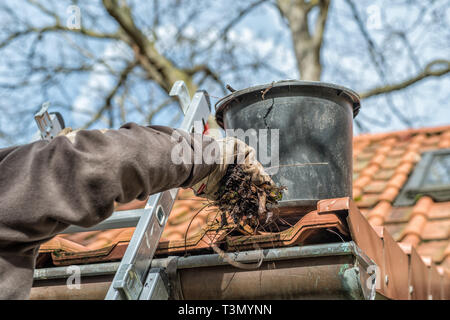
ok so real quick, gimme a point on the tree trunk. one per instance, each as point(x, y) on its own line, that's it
point(306, 45)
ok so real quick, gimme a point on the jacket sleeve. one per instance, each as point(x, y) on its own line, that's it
point(46, 186)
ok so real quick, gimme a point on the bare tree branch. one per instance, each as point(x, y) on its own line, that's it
point(376, 56)
point(378, 60)
point(428, 71)
point(158, 108)
point(160, 69)
point(242, 13)
point(56, 28)
point(108, 100)
point(208, 73)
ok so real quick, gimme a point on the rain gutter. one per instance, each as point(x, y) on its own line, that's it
point(323, 271)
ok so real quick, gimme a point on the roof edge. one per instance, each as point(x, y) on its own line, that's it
point(405, 132)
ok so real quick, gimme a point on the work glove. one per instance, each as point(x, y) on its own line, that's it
point(232, 151)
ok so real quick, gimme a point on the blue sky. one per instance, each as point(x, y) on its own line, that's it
point(261, 34)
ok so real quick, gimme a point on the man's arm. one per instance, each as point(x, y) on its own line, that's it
point(47, 186)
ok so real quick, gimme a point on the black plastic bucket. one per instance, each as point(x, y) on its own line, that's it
point(315, 122)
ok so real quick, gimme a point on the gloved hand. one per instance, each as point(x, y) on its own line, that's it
point(233, 151)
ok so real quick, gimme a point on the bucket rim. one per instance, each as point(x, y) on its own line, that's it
point(221, 105)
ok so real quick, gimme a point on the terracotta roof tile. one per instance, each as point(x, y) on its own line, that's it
point(413, 147)
point(384, 149)
point(397, 152)
point(379, 159)
point(391, 162)
point(364, 212)
point(445, 134)
point(404, 168)
point(445, 140)
point(357, 193)
point(359, 165)
point(423, 206)
point(58, 243)
point(376, 221)
point(370, 170)
point(396, 230)
point(434, 249)
point(411, 156)
point(389, 194)
point(362, 181)
point(381, 210)
point(367, 200)
point(372, 147)
point(439, 210)
point(447, 251)
point(389, 141)
point(436, 230)
point(105, 239)
point(432, 140)
point(413, 231)
point(399, 215)
point(418, 138)
point(375, 186)
point(364, 156)
point(412, 234)
point(444, 144)
point(397, 181)
point(384, 174)
point(82, 238)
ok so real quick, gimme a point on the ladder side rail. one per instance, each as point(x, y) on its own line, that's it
point(135, 264)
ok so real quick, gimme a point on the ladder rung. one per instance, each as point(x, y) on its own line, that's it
point(119, 219)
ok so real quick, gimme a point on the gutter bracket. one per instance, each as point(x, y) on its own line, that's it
point(368, 272)
point(352, 281)
point(156, 286)
point(176, 291)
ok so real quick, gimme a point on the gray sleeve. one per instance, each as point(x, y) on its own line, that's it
point(46, 186)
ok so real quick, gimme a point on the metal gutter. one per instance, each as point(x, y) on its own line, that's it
point(88, 270)
point(335, 270)
point(211, 260)
point(276, 254)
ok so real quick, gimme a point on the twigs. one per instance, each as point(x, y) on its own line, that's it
point(189, 225)
point(244, 201)
point(263, 93)
point(242, 206)
point(237, 264)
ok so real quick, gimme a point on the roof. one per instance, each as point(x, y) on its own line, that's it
point(382, 164)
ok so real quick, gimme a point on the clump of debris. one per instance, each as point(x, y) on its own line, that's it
point(247, 204)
